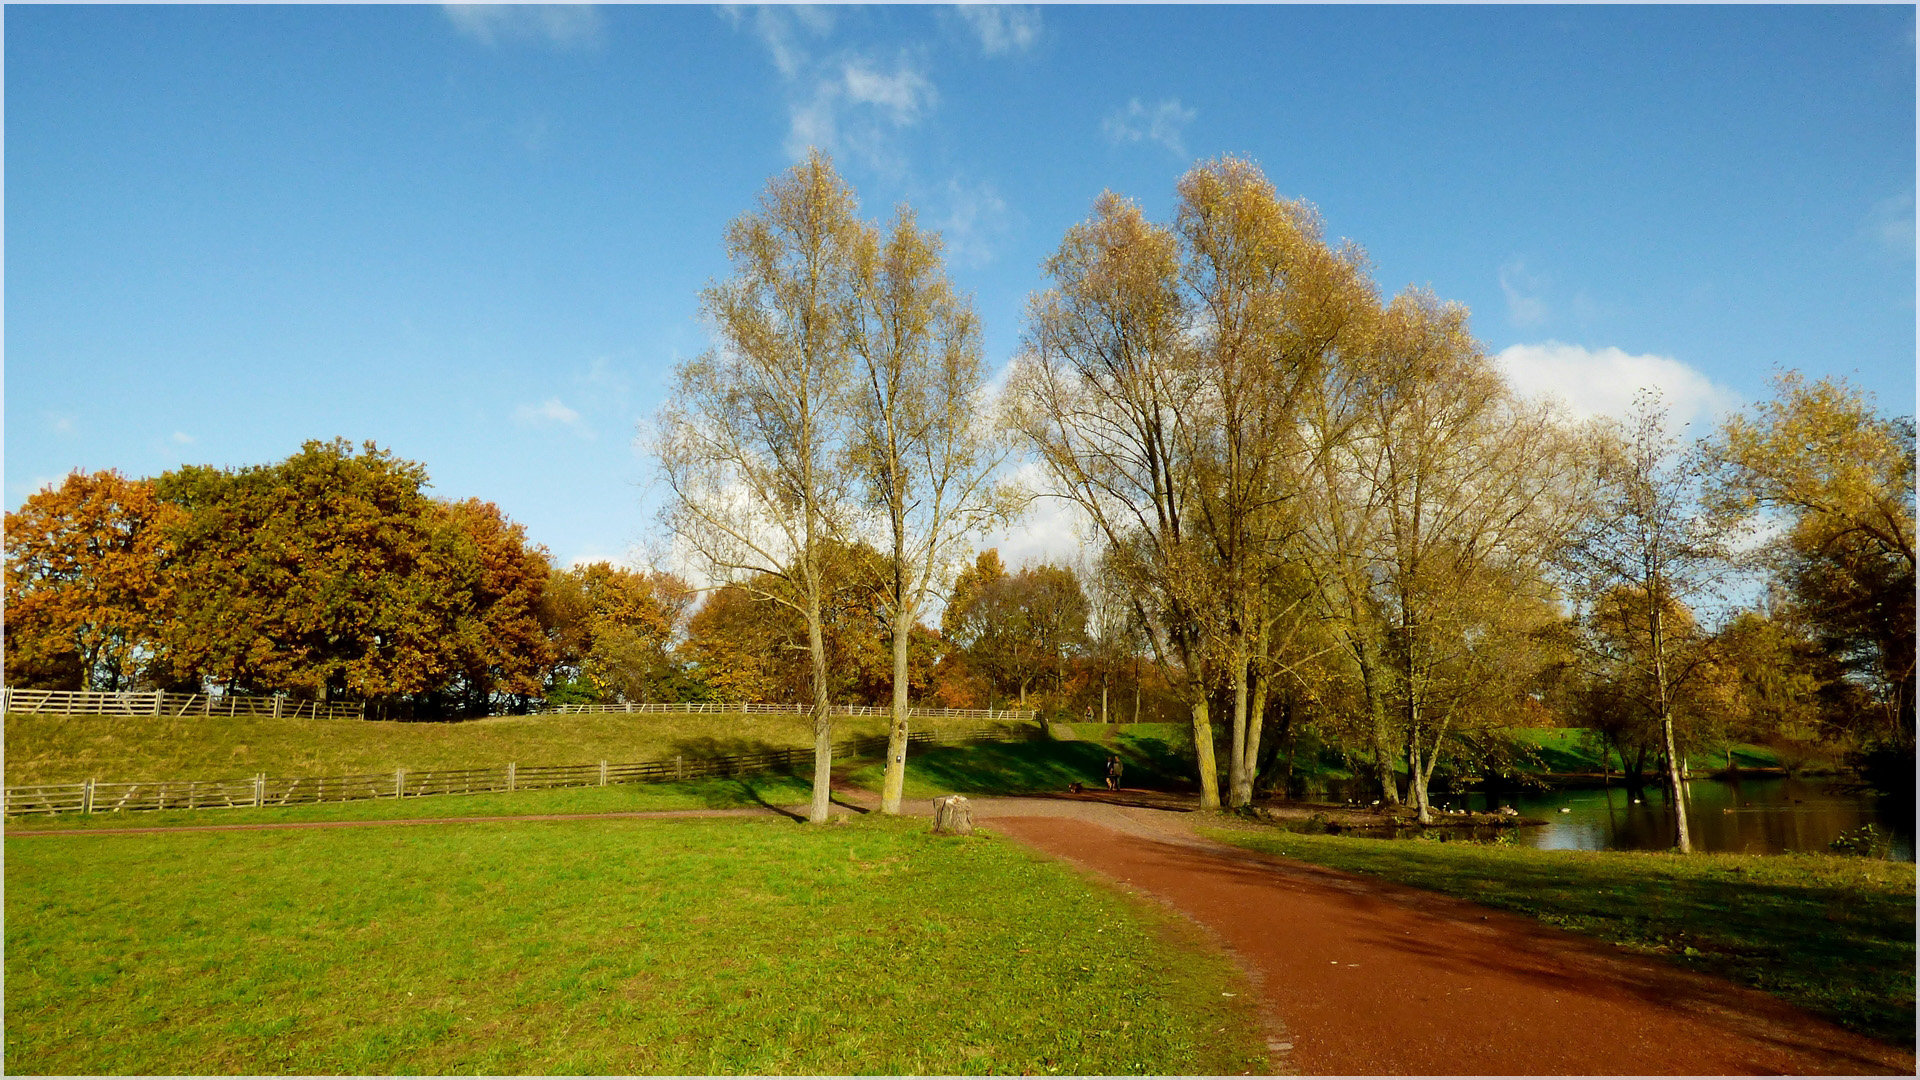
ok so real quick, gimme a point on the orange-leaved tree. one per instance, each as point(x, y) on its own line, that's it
point(83, 583)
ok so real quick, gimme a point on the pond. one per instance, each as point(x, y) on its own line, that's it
point(1757, 816)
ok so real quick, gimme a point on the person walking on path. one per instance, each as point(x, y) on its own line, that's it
point(1113, 772)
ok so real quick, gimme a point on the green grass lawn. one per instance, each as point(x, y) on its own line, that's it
point(1572, 750)
point(68, 749)
point(1832, 934)
point(1014, 768)
point(605, 946)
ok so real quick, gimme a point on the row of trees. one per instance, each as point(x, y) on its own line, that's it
point(1307, 502)
point(332, 575)
point(329, 575)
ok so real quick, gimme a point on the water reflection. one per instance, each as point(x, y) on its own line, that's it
point(1756, 816)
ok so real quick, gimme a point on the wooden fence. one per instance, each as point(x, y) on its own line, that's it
point(93, 796)
point(162, 703)
point(747, 708)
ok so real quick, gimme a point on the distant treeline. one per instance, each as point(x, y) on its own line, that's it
point(333, 575)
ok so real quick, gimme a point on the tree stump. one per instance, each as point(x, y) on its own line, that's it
point(953, 816)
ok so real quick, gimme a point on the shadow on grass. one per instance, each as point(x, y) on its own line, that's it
point(1034, 766)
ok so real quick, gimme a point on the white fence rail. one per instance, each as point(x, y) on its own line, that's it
point(162, 703)
point(94, 796)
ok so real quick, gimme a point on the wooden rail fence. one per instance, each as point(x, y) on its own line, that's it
point(94, 796)
point(162, 703)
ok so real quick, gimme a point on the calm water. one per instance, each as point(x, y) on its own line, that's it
point(1755, 816)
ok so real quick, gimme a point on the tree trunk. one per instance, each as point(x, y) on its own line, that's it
point(1681, 839)
point(1239, 785)
point(1256, 726)
point(1382, 751)
point(895, 780)
point(1203, 757)
point(822, 722)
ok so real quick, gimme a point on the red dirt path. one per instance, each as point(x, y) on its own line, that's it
point(1373, 978)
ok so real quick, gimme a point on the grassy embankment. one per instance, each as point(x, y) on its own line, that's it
point(69, 749)
point(1557, 753)
point(1832, 934)
point(608, 946)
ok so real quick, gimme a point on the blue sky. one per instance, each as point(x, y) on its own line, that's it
point(476, 235)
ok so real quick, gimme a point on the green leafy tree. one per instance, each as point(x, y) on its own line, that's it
point(1840, 477)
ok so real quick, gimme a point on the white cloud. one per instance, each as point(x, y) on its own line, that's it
point(850, 104)
point(1163, 123)
point(783, 30)
point(901, 95)
point(182, 438)
point(1002, 28)
point(1052, 530)
point(1890, 224)
point(563, 26)
point(60, 423)
point(839, 100)
point(1603, 382)
point(1524, 304)
point(552, 411)
point(975, 222)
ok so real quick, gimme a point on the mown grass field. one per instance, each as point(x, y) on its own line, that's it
point(68, 749)
point(607, 946)
point(1832, 934)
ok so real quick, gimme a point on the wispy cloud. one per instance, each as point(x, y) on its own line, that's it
point(552, 412)
point(60, 423)
point(183, 438)
point(561, 26)
point(900, 95)
point(1890, 224)
point(840, 100)
point(1002, 28)
point(1164, 123)
point(1052, 530)
point(1525, 305)
point(852, 105)
point(1603, 382)
point(785, 31)
point(975, 223)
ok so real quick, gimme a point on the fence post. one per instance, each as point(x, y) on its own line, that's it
point(399, 783)
point(159, 698)
point(86, 798)
point(260, 789)
point(679, 767)
point(512, 766)
point(276, 706)
point(603, 774)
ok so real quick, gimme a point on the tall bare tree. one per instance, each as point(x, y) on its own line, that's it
point(1650, 548)
point(1473, 490)
point(1274, 307)
point(1106, 391)
point(752, 438)
point(923, 439)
